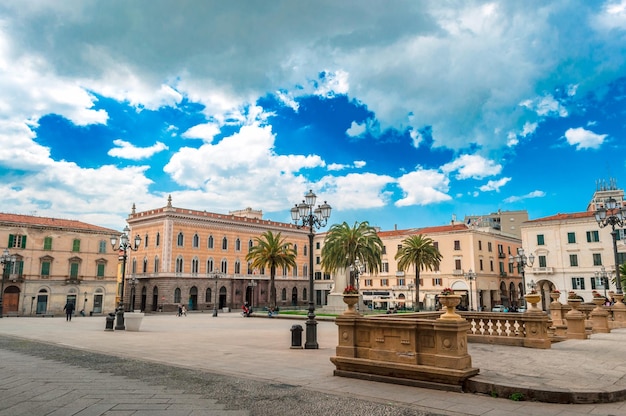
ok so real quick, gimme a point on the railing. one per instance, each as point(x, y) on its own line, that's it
point(543, 270)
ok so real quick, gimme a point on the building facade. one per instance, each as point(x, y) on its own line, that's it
point(197, 258)
point(55, 261)
point(483, 250)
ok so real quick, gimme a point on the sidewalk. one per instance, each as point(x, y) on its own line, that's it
point(259, 348)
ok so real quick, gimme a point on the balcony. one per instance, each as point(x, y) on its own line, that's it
point(73, 281)
point(502, 255)
point(457, 272)
point(543, 270)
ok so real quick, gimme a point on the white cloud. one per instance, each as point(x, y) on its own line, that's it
point(331, 83)
point(494, 185)
point(472, 166)
point(584, 139)
point(205, 132)
point(423, 187)
point(356, 129)
point(127, 150)
point(530, 195)
point(545, 105)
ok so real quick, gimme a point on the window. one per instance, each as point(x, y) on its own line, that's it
point(210, 242)
point(401, 282)
point(224, 266)
point(599, 283)
point(501, 265)
point(285, 270)
point(158, 239)
point(436, 244)
point(491, 265)
point(304, 297)
point(571, 238)
point(74, 270)
point(384, 267)
point(145, 240)
point(368, 282)
point(384, 282)
point(573, 260)
point(283, 294)
point(156, 264)
point(318, 259)
point(384, 250)
point(399, 247)
point(209, 265)
point(593, 236)
point(180, 240)
point(489, 246)
point(47, 243)
point(237, 267)
point(305, 270)
point(224, 243)
point(76, 245)
point(177, 295)
point(540, 240)
point(510, 268)
point(457, 264)
point(480, 262)
point(145, 265)
point(45, 268)
point(134, 266)
point(179, 265)
point(578, 283)
point(597, 259)
point(100, 272)
point(542, 261)
point(317, 275)
point(196, 241)
point(480, 245)
point(237, 245)
point(437, 281)
point(17, 241)
point(194, 265)
point(207, 297)
point(500, 249)
point(317, 245)
point(250, 271)
point(306, 250)
point(295, 249)
point(457, 244)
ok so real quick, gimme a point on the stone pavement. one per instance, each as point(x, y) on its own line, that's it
point(258, 350)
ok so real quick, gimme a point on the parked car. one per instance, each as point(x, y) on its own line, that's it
point(498, 308)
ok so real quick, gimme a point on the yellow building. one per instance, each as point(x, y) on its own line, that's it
point(55, 261)
point(197, 258)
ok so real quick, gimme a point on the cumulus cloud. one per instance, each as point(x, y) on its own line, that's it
point(423, 187)
point(494, 185)
point(530, 195)
point(472, 166)
point(584, 139)
point(127, 150)
point(205, 132)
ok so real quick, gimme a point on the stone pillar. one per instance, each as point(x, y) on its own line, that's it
point(600, 318)
point(575, 322)
point(619, 311)
point(536, 324)
point(347, 324)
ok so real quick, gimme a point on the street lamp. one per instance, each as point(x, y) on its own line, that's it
point(470, 276)
point(411, 286)
point(356, 269)
point(5, 259)
point(133, 282)
point(303, 215)
point(124, 246)
point(215, 274)
point(252, 284)
point(603, 275)
point(612, 214)
point(522, 261)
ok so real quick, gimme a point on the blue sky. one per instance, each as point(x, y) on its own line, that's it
point(401, 113)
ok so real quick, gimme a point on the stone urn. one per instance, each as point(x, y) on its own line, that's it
point(133, 320)
point(351, 300)
point(533, 299)
point(555, 296)
point(450, 302)
point(598, 301)
point(574, 303)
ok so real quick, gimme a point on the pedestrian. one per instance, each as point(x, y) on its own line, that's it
point(180, 310)
point(184, 311)
point(69, 310)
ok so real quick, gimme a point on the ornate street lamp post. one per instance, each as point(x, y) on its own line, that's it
point(252, 285)
point(470, 276)
point(5, 259)
point(522, 261)
point(303, 215)
point(124, 246)
point(215, 274)
point(613, 215)
point(133, 282)
point(411, 286)
point(356, 270)
point(603, 275)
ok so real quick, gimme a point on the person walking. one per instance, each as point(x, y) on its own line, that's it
point(69, 310)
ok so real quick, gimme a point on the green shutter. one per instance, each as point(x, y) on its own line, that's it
point(11, 237)
point(76, 245)
point(23, 241)
point(45, 268)
point(100, 270)
point(74, 270)
point(47, 243)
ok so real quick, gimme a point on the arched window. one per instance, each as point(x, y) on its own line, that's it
point(285, 271)
point(179, 264)
point(207, 296)
point(177, 295)
point(145, 265)
point(250, 271)
point(196, 241)
point(304, 296)
point(306, 250)
point(237, 245)
point(283, 294)
point(156, 264)
point(250, 244)
point(181, 239)
point(237, 267)
point(224, 243)
point(194, 265)
point(145, 244)
point(158, 239)
point(295, 271)
point(295, 249)
point(210, 242)
point(209, 265)
point(224, 266)
point(134, 266)
point(305, 270)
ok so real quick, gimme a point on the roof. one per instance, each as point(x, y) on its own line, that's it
point(34, 221)
point(563, 217)
point(425, 230)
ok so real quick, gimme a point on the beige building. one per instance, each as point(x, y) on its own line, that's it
point(183, 250)
point(483, 250)
point(55, 261)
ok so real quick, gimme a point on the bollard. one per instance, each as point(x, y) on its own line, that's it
point(296, 336)
point(110, 320)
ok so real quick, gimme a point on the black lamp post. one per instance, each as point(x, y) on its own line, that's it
point(603, 275)
point(124, 246)
point(133, 282)
point(522, 261)
point(216, 275)
point(356, 270)
point(304, 215)
point(411, 286)
point(613, 215)
point(470, 276)
point(5, 259)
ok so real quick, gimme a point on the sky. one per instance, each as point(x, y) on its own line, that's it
point(402, 113)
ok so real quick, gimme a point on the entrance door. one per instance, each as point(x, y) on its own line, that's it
point(11, 300)
point(42, 304)
point(222, 301)
point(144, 295)
point(97, 304)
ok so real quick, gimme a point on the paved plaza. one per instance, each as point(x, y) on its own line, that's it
point(230, 365)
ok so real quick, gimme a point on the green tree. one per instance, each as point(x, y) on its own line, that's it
point(344, 244)
point(272, 251)
point(420, 252)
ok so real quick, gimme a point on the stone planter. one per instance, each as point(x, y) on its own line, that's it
point(555, 296)
point(351, 300)
point(133, 320)
point(533, 299)
point(450, 302)
point(574, 303)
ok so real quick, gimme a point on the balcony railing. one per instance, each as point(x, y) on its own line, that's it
point(543, 270)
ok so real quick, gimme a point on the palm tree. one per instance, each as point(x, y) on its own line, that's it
point(344, 244)
point(271, 251)
point(418, 251)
